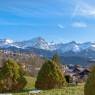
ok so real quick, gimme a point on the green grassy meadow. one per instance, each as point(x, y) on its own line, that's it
point(72, 90)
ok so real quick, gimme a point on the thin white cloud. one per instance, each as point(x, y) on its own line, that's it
point(79, 25)
point(60, 26)
point(84, 9)
point(5, 22)
point(30, 8)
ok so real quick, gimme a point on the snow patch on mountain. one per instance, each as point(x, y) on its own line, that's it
point(35, 43)
point(72, 46)
point(40, 43)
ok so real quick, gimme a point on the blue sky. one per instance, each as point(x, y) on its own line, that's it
point(54, 20)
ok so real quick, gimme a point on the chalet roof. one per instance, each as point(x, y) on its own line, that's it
point(79, 69)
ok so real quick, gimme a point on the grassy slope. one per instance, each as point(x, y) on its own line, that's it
point(30, 83)
point(75, 90)
point(65, 91)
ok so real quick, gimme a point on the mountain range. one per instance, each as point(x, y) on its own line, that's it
point(40, 43)
point(68, 51)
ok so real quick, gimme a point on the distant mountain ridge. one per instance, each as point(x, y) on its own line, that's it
point(70, 53)
point(41, 43)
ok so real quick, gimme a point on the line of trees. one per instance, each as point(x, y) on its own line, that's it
point(50, 76)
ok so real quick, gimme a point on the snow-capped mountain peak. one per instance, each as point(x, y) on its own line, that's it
point(71, 46)
point(8, 41)
point(41, 43)
point(5, 42)
point(38, 42)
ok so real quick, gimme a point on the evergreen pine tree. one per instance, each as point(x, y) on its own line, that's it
point(90, 84)
point(56, 58)
point(50, 76)
point(11, 78)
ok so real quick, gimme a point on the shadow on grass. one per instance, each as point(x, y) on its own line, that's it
point(24, 91)
point(20, 91)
